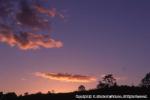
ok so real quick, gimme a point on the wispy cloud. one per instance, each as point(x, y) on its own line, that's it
point(66, 77)
point(50, 12)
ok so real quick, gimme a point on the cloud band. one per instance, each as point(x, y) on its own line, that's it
point(66, 77)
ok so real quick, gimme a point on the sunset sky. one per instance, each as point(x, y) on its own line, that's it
point(88, 39)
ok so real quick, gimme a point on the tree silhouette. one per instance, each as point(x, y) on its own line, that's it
point(10, 96)
point(81, 88)
point(100, 85)
point(49, 92)
point(107, 81)
point(145, 82)
point(1, 95)
point(26, 93)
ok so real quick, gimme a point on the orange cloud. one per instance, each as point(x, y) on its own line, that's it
point(66, 77)
point(17, 27)
point(27, 40)
point(50, 12)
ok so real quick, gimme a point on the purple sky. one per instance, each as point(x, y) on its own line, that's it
point(99, 37)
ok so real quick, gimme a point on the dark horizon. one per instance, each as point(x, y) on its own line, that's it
point(106, 89)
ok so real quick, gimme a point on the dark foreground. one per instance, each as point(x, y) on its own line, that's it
point(121, 93)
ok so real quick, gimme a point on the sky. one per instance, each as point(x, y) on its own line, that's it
point(73, 42)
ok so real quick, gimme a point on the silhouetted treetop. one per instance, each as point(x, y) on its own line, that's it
point(145, 82)
point(81, 88)
point(107, 81)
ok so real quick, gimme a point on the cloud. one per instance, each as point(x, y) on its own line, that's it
point(23, 25)
point(66, 77)
point(41, 9)
point(28, 40)
point(50, 12)
point(5, 8)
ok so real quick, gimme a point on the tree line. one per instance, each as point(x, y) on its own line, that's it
point(110, 81)
point(107, 86)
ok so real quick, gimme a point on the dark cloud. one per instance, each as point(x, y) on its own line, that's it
point(28, 17)
point(5, 7)
point(21, 23)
